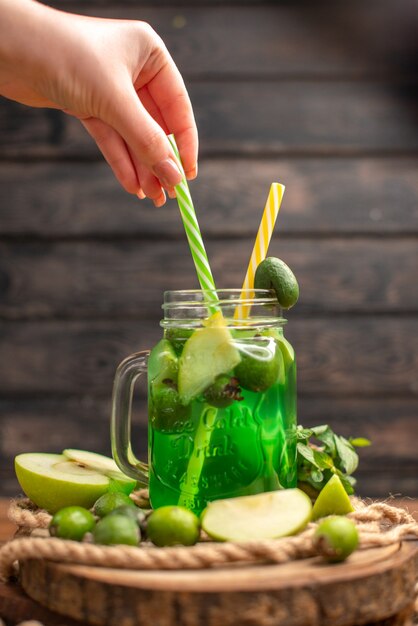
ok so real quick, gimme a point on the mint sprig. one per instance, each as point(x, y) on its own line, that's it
point(322, 453)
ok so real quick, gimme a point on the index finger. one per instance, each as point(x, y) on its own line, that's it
point(169, 93)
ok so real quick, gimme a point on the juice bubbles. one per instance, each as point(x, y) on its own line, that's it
point(219, 432)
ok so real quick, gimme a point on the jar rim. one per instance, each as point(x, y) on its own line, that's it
point(190, 297)
point(190, 307)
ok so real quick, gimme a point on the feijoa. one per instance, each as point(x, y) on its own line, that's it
point(273, 273)
point(110, 501)
point(71, 522)
point(261, 364)
point(336, 538)
point(224, 391)
point(173, 525)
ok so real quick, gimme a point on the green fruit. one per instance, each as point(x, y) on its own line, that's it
point(178, 337)
point(173, 525)
point(103, 465)
point(117, 529)
point(273, 273)
point(261, 365)
point(224, 391)
point(262, 516)
point(336, 538)
point(53, 482)
point(166, 407)
point(163, 363)
point(208, 353)
point(287, 351)
point(332, 500)
point(110, 501)
point(72, 522)
point(133, 512)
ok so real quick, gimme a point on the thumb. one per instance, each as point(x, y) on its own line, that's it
point(146, 139)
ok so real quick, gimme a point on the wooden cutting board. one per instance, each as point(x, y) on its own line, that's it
point(372, 587)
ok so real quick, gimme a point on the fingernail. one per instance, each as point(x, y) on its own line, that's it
point(172, 193)
point(159, 201)
point(167, 173)
point(141, 194)
point(191, 174)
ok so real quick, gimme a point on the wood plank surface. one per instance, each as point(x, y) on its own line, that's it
point(323, 197)
point(87, 279)
point(281, 39)
point(292, 117)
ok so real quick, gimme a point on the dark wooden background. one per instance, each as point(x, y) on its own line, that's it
point(321, 96)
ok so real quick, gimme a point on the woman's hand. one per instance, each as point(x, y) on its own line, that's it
point(116, 76)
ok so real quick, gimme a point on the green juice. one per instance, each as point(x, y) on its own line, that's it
point(239, 441)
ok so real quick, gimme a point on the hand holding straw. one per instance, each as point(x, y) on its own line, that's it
point(261, 245)
point(194, 236)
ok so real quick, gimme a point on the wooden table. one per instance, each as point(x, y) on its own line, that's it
point(16, 606)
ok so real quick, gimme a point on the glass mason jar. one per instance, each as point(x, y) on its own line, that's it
point(221, 401)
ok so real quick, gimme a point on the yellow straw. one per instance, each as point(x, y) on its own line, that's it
point(261, 245)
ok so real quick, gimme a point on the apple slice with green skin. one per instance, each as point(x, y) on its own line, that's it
point(332, 500)
point(262, 516)
point(163, 363)
point(207, 354)
point(52, 482)
point(103, 465)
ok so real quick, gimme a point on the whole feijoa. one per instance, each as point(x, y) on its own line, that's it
point(173, 525)
point(336, 538)
point(110, 501)
point(71, 522)
point(115, 530)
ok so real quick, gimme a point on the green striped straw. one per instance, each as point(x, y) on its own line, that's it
point(194, 237)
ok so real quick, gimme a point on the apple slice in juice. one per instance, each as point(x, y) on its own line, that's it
point(208, 353)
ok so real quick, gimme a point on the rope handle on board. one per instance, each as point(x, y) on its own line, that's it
point(379, 524)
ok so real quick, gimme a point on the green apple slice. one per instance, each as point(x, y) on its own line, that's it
point(332, 500)
point(207, 354)
point(52, 482)
point(163, 363)
point(103, 465)
point(288, 352)
point(262, 516)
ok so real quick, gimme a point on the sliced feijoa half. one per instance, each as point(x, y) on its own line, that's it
point(273, 273)
point(332, 500)
point(104, 465)
point(209, 352)
point(262, 516)
point(53, 482)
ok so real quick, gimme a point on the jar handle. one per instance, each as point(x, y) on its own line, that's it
point(126, 376)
